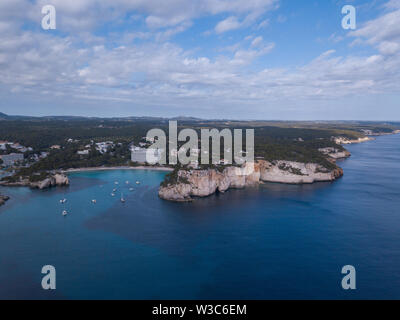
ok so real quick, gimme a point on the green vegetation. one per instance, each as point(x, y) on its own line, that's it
point(173, 178)
point(291, 141)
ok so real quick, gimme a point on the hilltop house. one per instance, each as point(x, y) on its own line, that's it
point(83, 152)
point(103, 147)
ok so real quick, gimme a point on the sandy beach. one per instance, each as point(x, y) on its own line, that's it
point(117, 168)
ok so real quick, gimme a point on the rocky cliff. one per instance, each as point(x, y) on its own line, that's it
point(203, 183)
point(51, 181)
point(343, 140)
point(3, 199)
point(335, 153)
point(55, 180)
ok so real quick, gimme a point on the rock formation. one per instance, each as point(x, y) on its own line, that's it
point(3, 199)
point(55, 180)
point(335, 153)
point(52, 181)
point(343, 140)
point(203, 183)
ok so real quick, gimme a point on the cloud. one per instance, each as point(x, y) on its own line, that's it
point(155, 71)
point(257, 41)
point(79, 15)
point(263, 24)
point(382, 32)
point(228, 24)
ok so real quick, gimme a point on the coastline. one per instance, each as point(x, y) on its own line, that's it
point(116, 168)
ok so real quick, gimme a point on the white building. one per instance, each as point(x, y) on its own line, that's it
point(103, 147)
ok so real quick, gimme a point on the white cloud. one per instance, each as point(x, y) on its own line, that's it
point(79, 15)
point(85, 66)
point(257, 41)
point(228, 24)
point(263, 24)
point(382, 32)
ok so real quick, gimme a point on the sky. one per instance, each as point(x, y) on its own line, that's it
point(212, 59)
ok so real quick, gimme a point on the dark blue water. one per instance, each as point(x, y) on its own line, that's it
point(273, 242)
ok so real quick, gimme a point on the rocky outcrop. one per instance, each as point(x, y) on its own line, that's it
point(55, 180)
point(344, 140)
point(51, 181)
point(335, 153)
point(203, 183)
point(3, 199)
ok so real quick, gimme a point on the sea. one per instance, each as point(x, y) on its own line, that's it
point(271, 242)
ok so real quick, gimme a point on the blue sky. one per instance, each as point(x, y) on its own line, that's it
point(253, 59)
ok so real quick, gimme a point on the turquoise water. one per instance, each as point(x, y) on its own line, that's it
point(273, 242)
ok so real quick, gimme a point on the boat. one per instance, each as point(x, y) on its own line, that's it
point(94, 201)
point(137, 182)
point(116, 182)
point(127, 182)
point(122, 198)
point(114, 190)
point(63, 200)
point(112, 194)
point(64, 213)
point(131, 189)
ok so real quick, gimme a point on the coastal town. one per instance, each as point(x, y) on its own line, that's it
point(299, 153)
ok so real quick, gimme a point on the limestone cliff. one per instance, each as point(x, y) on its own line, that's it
point(51, 181)
point(343, 140)
point(335, 153)
point(203, 183)
point(55, 180)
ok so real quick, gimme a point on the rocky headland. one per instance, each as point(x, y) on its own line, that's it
point(50, 181)
point(344, 140)
point(203, 183)
point(335, 153)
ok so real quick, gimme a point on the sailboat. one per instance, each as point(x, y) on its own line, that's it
point(63, 200)
point(122, 198)
point(64, 213)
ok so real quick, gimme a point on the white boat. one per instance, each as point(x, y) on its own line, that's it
point(137, 182)
point(112, 194)
point(63, 200)
point(122, 198)
point(64, 213)
point(116, 182)
point(127, 182)
point(114, 190)
point(94, 201)
point(131, 189)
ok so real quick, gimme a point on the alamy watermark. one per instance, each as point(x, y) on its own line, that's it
point(349, 21)
point(186, 148)
point(49, 280)
point(349, 280)
point(49, 20)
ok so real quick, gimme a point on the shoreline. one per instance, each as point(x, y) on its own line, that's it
point(116, 168)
